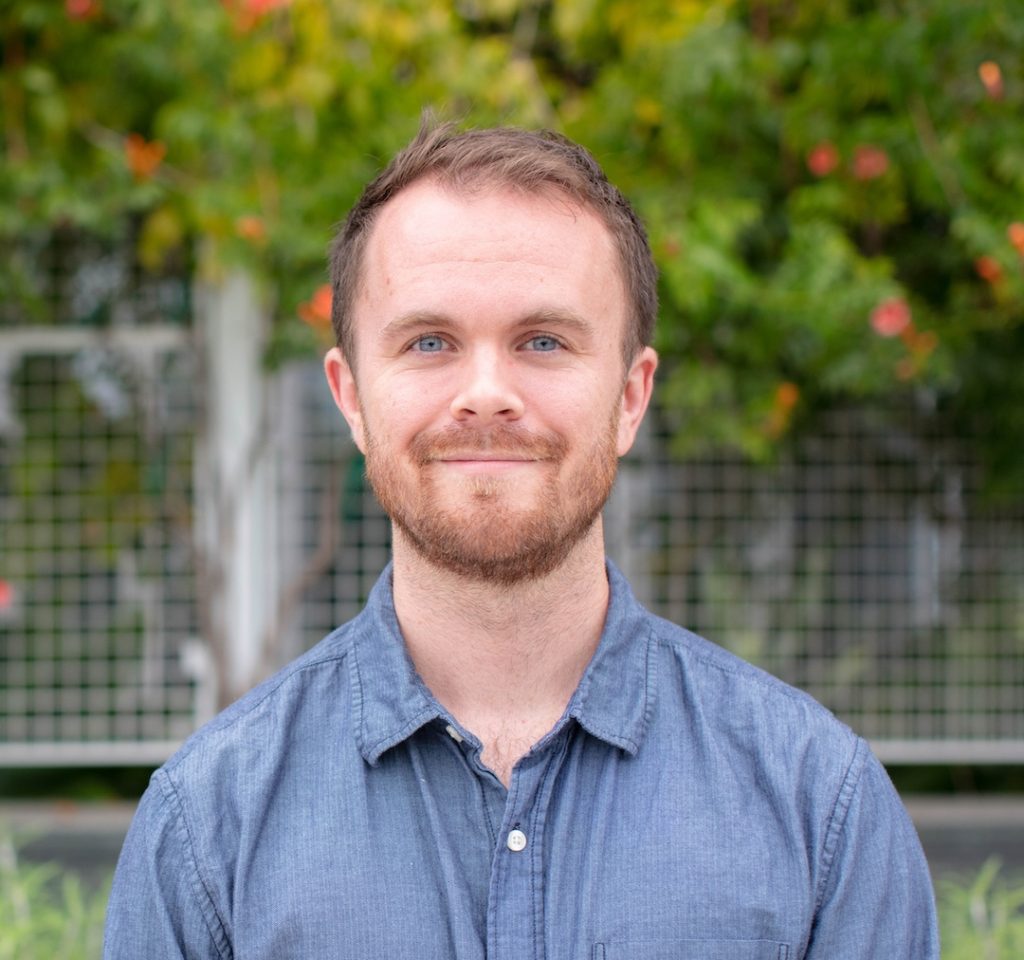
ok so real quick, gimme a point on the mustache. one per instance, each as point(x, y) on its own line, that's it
point(501, 439)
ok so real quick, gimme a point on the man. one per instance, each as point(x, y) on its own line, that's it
point(504, 755)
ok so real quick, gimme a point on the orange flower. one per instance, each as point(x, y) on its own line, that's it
point(316, 311)
point(143, 156)
point(906, 368)
point(988, 269)
point(992, 78)
point(787, 395)
point(823, 159)
point(251, 228)
point(891, 317)
point(1015, 231)
point(672, 247)
point(869, 163)
point(923, 344)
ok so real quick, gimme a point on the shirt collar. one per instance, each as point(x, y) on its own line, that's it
point(615, 697)
point(612, 702)
point(392, 702)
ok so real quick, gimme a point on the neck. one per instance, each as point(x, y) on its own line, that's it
point(504, 660)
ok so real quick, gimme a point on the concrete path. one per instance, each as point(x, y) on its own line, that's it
point(960, 833)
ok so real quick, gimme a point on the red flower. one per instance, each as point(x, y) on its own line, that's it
point(316, 311)
point(260, 7)
point(143, 156)
point(823, 159)
point(992, 77)
point(82, 9)
point(6, 595)
point(891, 317)
point(869, 163)
point(988, 269)
point(247, 13)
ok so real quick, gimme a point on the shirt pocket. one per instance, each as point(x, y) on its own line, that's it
point(691, 950)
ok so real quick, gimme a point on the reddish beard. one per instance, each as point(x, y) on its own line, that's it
point(485, 538)
point(497, 441)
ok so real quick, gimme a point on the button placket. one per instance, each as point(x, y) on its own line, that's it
point(515, 902)
point(510, 912)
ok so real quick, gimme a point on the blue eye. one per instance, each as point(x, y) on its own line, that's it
point(429, 344)
point(543, 344)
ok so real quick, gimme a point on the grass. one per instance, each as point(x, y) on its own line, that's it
point(47, 913)
point(982, 919)
point(50, 914)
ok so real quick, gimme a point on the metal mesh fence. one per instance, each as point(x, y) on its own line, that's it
point(96, 423)
point(96, 612)
point(865, 567)
point(334, 538)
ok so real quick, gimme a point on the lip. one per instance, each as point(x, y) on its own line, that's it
point(475, 463)
point(485, 458)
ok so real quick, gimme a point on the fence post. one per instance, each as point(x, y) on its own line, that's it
point(235, 521)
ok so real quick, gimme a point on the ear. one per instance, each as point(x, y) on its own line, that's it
point(342, 382)
point(636, 395)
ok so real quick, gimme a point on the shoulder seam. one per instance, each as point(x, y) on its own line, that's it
point(836, 822)
point(752, 672)
point(215, 925)
point(220, 722)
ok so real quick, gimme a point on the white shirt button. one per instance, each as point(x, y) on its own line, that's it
point(453, 733)
point(516, 841)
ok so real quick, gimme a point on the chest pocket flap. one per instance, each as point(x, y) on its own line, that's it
point(691, 950)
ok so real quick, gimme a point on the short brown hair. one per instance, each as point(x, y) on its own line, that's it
point(500, 156)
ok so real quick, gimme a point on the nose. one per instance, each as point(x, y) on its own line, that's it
point(486, 390)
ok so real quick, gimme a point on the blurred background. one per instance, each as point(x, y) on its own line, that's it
point(831, 483)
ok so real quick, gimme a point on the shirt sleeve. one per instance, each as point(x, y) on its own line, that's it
point(876, 897)
point(159, 908)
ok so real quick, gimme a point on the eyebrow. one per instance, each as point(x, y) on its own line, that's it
point(415, 320)
point(407, 323)
point(559, 318)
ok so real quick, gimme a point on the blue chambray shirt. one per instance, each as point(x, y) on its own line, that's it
point(687, 806)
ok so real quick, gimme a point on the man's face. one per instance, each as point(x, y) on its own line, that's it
point(489, 394)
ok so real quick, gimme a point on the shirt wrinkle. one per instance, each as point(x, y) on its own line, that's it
point(683, 799)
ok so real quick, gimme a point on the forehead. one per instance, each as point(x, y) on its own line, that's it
point(488, 247)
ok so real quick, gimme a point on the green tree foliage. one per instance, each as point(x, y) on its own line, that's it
point(835, 189)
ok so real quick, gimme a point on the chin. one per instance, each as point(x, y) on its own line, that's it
point(498, 546)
